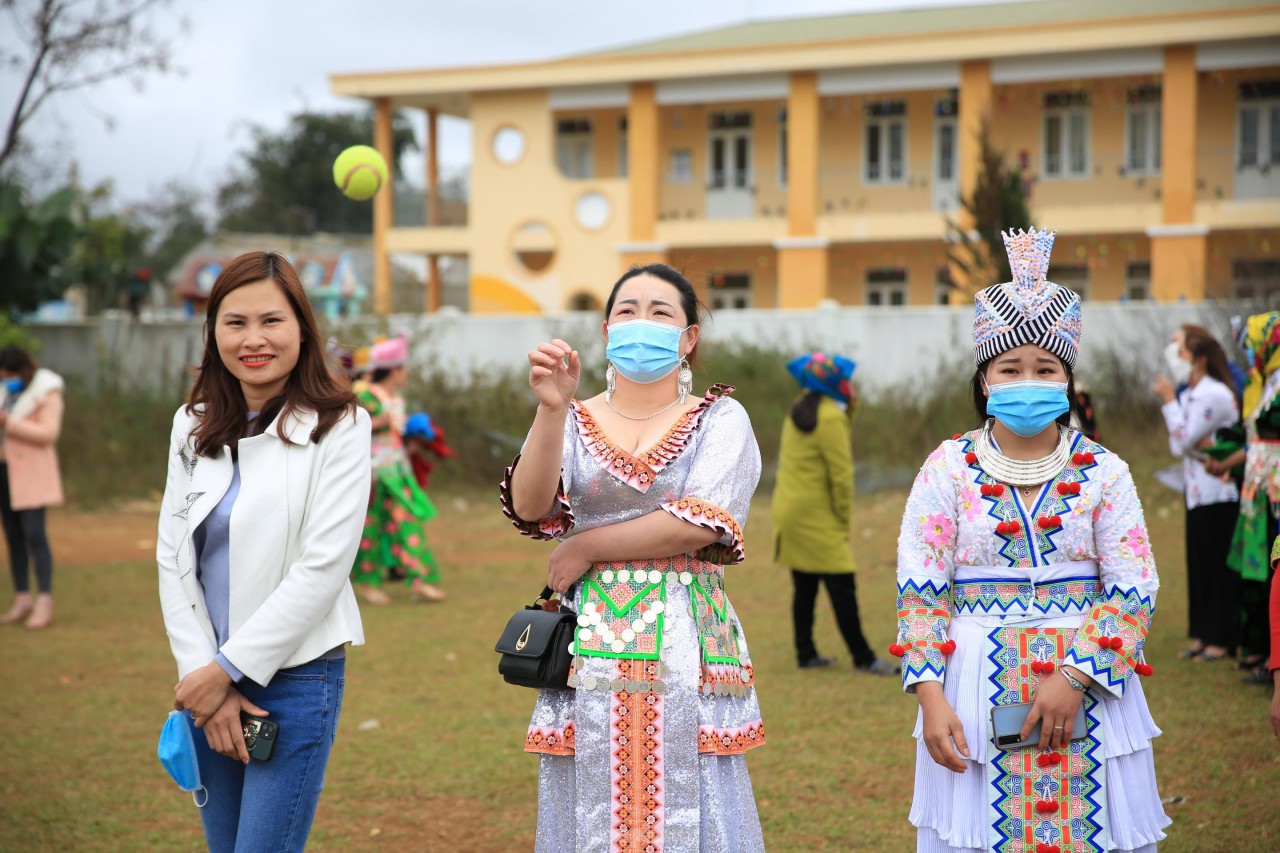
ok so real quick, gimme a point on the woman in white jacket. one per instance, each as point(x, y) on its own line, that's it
point(268, 461)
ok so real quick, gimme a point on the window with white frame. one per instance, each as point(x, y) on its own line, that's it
point(623, 163)
point(1142, 131)
point(729, 290)
point(1066, 134)
point(1137, 281)
point(1258, 125)
point(782, 147)
point(681, 171)
point(575, 151)
point(887, 287)
point(1074, 277)
point(885, 152)
point(1256, 281)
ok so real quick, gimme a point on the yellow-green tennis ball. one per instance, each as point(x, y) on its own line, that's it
point(359, 172)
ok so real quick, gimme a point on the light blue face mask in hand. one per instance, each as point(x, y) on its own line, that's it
point(1027, 407)
point(14, 386)
point(177, 753)
point(644, 351)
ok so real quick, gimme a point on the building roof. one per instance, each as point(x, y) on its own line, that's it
point(861, 40)
point(868, 25)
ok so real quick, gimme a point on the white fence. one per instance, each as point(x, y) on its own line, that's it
point(896, 348)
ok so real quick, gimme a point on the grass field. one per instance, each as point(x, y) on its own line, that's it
point(81, 706)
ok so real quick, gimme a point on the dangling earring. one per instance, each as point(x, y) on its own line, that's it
point(684, 379)
point(610, 382)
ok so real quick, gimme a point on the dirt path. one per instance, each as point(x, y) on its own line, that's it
point(124, 535)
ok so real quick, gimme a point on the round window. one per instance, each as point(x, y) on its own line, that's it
point(508, 145)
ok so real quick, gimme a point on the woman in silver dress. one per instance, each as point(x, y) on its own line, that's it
point(647, 489)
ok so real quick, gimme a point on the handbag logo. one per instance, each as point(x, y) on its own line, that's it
point(524, 637)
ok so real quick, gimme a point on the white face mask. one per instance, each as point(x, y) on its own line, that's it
point(1179, 367)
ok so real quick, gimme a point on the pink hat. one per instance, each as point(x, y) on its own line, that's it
point(390, 353)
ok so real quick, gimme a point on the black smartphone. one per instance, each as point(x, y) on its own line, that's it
point(260, 735)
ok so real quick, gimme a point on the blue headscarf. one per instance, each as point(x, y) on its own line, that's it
point(825, 374)
point(419, 424)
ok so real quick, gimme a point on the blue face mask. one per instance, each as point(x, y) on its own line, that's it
point(644, 351)
point(13, 386)
point(177, 753)
point(1028, 407)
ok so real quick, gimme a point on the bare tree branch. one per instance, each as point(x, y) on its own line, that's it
point(75, 44)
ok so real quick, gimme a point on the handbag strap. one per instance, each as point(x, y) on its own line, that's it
point(547, 592)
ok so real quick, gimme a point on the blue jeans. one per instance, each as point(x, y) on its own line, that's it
point(269, 805)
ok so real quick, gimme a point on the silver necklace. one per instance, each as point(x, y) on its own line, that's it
point(1022, 473)
point(668, 407)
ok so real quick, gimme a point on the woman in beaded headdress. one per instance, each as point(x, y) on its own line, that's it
point(394, 532)
point(1025, 576)
point(647, 489)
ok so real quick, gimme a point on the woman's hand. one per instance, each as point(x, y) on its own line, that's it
point(941, 727)
point(554, 381)
point(1163, 386)
point(567, 565)
point(223, 729)
point(202, 692)
point(1055, 706)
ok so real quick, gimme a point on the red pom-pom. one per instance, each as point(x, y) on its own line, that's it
point(1064, 488)
point(957, 436)
point(948, 647)
point(1116, 644)
point(896, 650)
point(1015, 526)
point(1044, 523)
point(1002, 528)
point(1144, 669)
point(997, 489)
point(1058, 758)
point(986, 490)
point(1075, 488)
point(1044, 759)
point(1046, 807)
point(1088, 458)
point(971, 457)
point(1103, 642)
point(1037, 667)
point(1048, 667)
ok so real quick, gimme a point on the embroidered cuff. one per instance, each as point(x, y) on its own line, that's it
point(1108, 646)
point(704, 514)
point(555, 524)
point(924, 612)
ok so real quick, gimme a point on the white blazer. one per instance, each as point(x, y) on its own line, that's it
point(294, 532)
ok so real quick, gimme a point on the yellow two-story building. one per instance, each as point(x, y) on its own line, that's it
point(783, 163)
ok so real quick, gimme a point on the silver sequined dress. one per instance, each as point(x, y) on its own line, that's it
point(647, 752)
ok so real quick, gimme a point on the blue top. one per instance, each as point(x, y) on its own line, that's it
point(213, 568)
point(213, 565)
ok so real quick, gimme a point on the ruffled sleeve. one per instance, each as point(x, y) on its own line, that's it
point(559, 521)
point(724, 474)
point(1109, 645)
point(926, 565)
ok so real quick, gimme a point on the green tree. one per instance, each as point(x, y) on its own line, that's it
point(175, 224)
point(285, 185)
point(998, 203)
point(111, 248)
point(37, 240)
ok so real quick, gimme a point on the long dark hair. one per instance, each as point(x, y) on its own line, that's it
point(980, 399)
point(693, 307)
point(804, 411)
point(216, 398)
point(1202, 344)
point(14, 359)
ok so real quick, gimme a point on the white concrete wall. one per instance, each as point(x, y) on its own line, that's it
point(894, 347)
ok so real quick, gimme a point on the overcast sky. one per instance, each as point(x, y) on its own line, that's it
point(256, 61)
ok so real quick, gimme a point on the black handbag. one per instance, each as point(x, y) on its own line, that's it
point(535, 646)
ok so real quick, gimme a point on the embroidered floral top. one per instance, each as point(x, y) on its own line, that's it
point(704, 470)
point(388, 442)
point(957, 516)
point(1195, 415)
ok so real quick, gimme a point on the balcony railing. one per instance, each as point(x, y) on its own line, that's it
point(893, 186)
point(1229, 174)
point(412, 209)
point(727, 194)
point(1102, 179)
